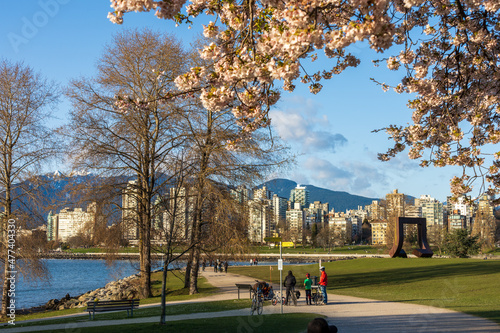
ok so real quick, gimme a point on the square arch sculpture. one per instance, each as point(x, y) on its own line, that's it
point(424, 250)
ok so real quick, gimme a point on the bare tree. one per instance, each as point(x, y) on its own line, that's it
point(131, 139)
point(214, 163)
point(25, 143)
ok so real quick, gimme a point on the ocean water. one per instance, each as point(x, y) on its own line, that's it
point(73, 277)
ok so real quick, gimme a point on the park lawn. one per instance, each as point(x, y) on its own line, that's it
point(155, 311)
point(351, 249)
point(296, 322)
point(175, 292)
point(466, 285)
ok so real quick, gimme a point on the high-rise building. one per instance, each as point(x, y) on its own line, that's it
point(341, 229)
point(261, 224)
point(130, 211)
point(52, 227)
point(432, 211)
point(241, 194)
point(376, 211)
point(456, 221)
point(379, 231)
point(280, 206)
point(262, 193)
point(295, 219)
point(178, 211)
point(395, 204)
point(72, 222)
point(300, 195)
point(484, 221)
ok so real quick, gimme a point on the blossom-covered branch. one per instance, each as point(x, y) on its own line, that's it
point(448, 49)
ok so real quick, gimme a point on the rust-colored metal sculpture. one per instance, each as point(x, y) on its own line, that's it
point(397, 249)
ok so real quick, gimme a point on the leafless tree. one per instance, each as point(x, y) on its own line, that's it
point(126, 138)
point(26, 142)
point(215, 164)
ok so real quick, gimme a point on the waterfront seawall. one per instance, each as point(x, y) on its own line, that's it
point(302, 257)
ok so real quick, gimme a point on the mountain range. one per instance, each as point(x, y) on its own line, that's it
point(58, 191)
point(338, 200)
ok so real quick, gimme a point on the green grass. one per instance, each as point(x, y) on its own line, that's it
point(296, 322)
point(352, 249)
point(465, 285)
point(155, 311)
point(175, 292)
point(99, 250)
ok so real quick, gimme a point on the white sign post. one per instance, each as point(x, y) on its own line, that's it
point(280, 268)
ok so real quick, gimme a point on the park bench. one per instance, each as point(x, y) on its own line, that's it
point(116, 305)
point(244, 286)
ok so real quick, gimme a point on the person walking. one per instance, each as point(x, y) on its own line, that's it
point(307, 287)
point(203, 265)
point(225, 266)
point(323, 281)
point(289, 285)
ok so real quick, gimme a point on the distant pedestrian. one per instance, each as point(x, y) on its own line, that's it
point(215, 267)
point(323, 281)
point(307, 287)
point(290, 285)
point(225, 266)
point(255, 262)
point(203, 265)
point(251, 261)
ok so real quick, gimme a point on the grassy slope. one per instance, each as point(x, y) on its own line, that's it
point(290, 323)
point(465, 285)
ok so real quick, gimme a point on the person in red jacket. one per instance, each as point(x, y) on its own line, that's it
point(323, 281)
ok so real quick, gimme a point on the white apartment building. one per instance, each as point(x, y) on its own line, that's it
point(242, 194)
point(280, 206)
point(295, 219)
point(300, 195)
point(261, 224)
point(341, 228)
point(69, 223)
point(376, 211)
point(262, 193)
point(178, 212)
point(432, 211)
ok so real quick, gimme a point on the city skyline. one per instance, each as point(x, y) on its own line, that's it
point(331, 132)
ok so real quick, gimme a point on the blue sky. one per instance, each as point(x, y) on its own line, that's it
point(331, 132)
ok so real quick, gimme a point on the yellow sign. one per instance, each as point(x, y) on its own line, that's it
point(287, 244)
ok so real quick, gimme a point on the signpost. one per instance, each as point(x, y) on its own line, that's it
point(280, 268)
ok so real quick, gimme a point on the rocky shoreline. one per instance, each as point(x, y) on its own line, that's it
point(126, 288)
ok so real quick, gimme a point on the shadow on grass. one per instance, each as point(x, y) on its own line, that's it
point(408, 274)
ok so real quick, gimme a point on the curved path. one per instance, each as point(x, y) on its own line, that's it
point(349, 314)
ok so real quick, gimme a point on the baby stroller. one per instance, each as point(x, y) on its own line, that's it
point(265, 288)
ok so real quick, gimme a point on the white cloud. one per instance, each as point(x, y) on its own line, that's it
point(352, 177)
point(301, 126)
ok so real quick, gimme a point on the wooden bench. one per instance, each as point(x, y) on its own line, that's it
point(244, 286)
point(103, 306)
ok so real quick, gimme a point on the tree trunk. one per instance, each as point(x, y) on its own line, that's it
point(164, 290)
point(195, 267)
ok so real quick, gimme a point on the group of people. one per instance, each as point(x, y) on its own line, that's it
point(219, 265)
point(290, 283)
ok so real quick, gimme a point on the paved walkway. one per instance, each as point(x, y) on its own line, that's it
point(349, 314)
